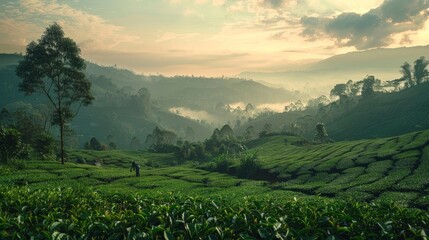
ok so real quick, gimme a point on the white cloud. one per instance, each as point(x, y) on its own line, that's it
point(80, 25)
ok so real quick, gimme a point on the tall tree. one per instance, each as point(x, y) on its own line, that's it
point(420, 71)
point(339, 90)
point(369, 85)
point(407, 74)
point(53, 66)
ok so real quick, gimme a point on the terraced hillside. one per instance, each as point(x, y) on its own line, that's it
point(393, 169)
point(114, 176)
point(384, 169)
point(100, 198)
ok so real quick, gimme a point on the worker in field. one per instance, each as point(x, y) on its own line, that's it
point(135, 166)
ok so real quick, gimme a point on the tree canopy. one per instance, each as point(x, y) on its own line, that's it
point(53, 66)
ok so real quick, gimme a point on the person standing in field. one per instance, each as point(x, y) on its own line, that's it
point(135, 166)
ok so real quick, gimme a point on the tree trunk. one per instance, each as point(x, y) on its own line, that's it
point(61, 135)
point(62, 142)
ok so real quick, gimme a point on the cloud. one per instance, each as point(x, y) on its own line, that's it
point(90, 29)
point(374, 28)
point(402, 11)
point(273, 3)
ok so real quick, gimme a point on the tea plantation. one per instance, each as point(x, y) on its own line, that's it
point(367, 189)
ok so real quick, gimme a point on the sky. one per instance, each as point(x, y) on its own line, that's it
point(216, 37)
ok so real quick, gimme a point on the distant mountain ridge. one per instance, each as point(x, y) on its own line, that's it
point(384, 63)
point(381, 58)
point(189, 89)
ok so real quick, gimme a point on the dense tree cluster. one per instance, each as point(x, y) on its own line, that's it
point(221, 142)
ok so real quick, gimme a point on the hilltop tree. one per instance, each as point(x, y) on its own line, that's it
point(369, 85)
point(420, 71)
point(339, 90)
point(407, 74)
point(417, 74)
point(53, 66)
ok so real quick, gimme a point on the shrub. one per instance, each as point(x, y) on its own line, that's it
point(10, 144)
point(249, 166)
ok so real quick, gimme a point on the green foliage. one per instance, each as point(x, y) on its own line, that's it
point(10, 144)
point(83, 214)
point(191, 151)
point(352, 171)
point(223, 163)
point(223, 142)
point(420, 71)
point(53, 66)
